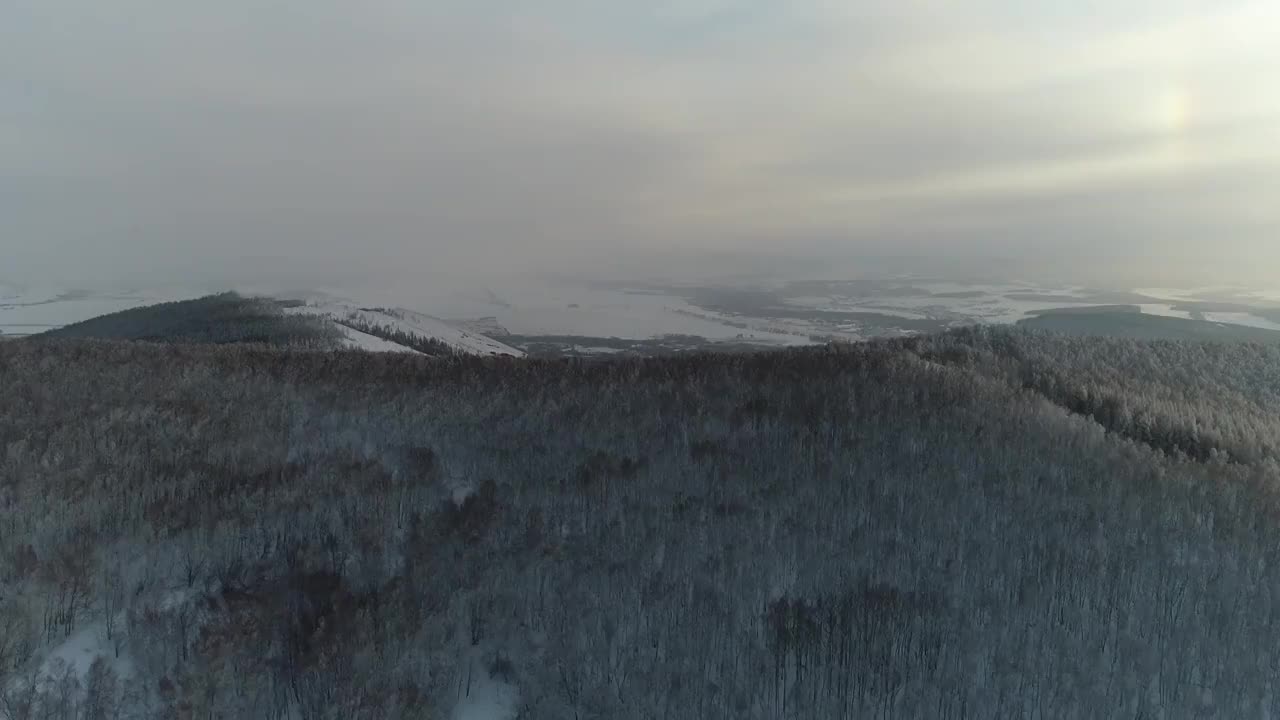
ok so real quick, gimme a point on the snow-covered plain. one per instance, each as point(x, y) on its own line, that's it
point(919, 311)
point(535, 307)
point(994, 304)
point(620, 313)
point(1165, 310)
point(979, 303)
point(1241, 318)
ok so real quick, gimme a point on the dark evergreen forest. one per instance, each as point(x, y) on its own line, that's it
point(989, 523)
point(222, 319)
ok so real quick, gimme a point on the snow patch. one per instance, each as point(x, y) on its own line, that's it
point(1164, 311)
point(416, 323)
point(73, 658)
point(460, 493)
point(80, 650)
point(364, 341)
point(174, 599)
point(483, 697)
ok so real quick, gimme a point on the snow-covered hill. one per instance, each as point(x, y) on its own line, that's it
point(357, 340)
point(25, 311)
point(400, 320)
point(29, 311)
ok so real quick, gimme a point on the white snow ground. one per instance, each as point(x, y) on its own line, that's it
point(363, 341)
point(481, 697)
point(567, 309)
point(73, 657)
point(1164, 310)
point(81, 649)
point(416, 323)
point(407, 321)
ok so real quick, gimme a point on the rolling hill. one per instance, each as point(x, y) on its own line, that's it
point(315, 324)
point(406, 325)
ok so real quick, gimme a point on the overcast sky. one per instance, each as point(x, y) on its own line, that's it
point(388, 138)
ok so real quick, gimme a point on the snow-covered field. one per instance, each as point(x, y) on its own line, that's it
point(995, 308)
point(982, 303)
point(1247, 295)
point(996, 288)
point(604, 313)
point(1164, 310)
point(1008, 303)
point(913, 309)
point(1240, 318)
point(1168, 293)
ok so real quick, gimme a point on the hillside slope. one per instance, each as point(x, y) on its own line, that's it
point(219, 319)
point(31, 311)
point(406, 327)
point(317, 324)
point(987, 523)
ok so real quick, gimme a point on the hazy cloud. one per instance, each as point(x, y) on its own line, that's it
point(326, 139)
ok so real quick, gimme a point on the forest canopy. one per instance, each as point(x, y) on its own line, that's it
point(984, 523)
point(218, 319)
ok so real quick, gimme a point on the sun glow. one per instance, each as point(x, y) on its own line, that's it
point(1171, 110)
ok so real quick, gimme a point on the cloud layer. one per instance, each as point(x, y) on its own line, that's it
point(315, 140)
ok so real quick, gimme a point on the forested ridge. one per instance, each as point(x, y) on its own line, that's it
point(225, 318)
point(988, 523)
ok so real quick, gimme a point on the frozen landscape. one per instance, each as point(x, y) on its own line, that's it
point(30, 311)
point(584, 319)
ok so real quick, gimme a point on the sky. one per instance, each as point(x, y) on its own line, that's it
point(390, 141)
